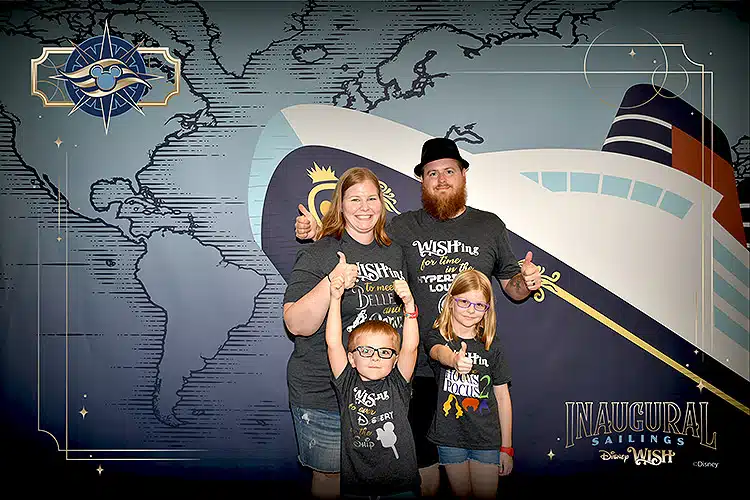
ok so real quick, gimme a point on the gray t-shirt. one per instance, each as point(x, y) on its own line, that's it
point(437, 250)
point(308, 370)
point(467, 415)
point(378, 456)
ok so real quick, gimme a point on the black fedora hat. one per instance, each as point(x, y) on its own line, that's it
point(437, 149)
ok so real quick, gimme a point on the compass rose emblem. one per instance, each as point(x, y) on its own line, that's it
point(105, 76)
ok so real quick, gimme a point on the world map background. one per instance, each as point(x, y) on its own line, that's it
point(174, 312)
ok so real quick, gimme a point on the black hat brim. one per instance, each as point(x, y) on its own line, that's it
point(419, 169)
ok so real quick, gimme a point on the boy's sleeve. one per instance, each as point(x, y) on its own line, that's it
point(402, 385)
point(344, 376)
point(342, 384)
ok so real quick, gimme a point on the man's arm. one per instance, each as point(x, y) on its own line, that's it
point(305, 225)
point(522, 284)
point(516, 287)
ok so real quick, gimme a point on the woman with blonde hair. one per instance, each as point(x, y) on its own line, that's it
point(352, 247)
point(473, 420)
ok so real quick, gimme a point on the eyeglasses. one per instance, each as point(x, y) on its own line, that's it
point(478, 306)
point(367, 352)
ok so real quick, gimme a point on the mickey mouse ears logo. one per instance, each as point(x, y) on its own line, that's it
point(105, 76)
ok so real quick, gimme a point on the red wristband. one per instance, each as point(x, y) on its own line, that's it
point(412, 315)
point(506, 449)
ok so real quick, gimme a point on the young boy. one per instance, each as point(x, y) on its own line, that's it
point(377, 447)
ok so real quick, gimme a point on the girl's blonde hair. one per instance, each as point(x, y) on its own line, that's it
point(333, 222)
point(469, 281)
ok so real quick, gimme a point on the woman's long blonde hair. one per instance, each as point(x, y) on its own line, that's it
point(469, 281)
point(333, 223)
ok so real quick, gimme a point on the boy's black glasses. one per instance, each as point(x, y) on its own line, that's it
point(367, 352)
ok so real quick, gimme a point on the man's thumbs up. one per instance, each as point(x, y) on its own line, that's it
point(342, 258)
point(528, 267)
point(305, 225)
point(304, 210)
point(530, 273)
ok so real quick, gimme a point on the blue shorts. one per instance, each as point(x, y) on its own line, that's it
point(449, 455)
point(318, 439)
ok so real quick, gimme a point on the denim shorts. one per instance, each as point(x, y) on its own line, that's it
point(449, 455)
point(318, 439)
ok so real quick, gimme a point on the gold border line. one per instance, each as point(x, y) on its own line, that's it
point(539, 296)
point(164, 51)
point(575, 301)
point(67, 365)
point(38, 335)
point(46, 51)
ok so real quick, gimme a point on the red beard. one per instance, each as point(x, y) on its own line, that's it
point(444, 207)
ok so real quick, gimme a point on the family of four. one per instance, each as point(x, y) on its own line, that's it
point(396, 367)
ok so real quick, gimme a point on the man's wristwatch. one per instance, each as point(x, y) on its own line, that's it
point(507, 449)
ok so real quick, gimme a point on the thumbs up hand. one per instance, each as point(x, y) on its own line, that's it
point(461, 362)
point(347, 272)
point(305, 225)
point(531, 274)
point(337, 287)
point(402, 289)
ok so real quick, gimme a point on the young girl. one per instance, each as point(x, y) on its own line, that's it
point(472, 423)
point(378, 456)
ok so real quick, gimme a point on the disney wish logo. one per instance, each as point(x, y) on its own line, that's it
point(635, 427)
point(105, 76)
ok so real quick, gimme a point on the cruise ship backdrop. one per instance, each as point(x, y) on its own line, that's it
point(144, 256)
point(642, 247)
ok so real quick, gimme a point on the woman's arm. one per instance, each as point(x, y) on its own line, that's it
point(305, 316)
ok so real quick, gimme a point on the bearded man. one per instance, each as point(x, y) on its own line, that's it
point(443, 238)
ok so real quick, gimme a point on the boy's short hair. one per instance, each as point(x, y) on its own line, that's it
point(376, 327)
